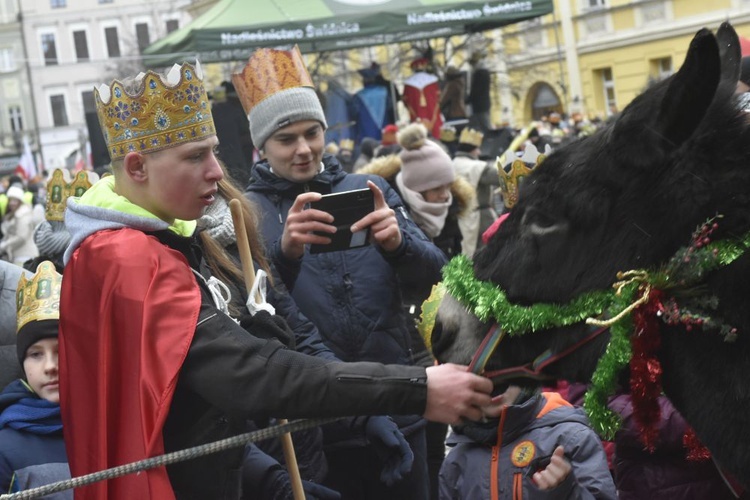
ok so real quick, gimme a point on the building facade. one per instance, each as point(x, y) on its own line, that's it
point(16, 106)
point(74, 45)
point(595, 56)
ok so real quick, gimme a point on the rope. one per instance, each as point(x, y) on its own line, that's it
point(170, 458)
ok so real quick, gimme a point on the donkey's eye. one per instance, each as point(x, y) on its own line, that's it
point(539, 223)
point(534, 217)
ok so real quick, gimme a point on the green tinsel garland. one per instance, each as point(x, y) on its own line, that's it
point(486, 301)
point(684, 270)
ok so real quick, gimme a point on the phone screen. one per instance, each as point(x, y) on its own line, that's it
point(347, 208)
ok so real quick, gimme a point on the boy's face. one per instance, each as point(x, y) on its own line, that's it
point(182, 181)
point(295, 151)
point(40, 366)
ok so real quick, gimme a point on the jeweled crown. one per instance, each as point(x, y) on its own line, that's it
point(59, 188)
point(519, 168)
point(269, 71)
point(38, 298)
point(471, 136)
point(347, 144)
point(159, 112)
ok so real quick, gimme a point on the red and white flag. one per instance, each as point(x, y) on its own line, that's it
point(26, 165)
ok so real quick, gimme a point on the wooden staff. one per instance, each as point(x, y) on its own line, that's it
point(248, 271)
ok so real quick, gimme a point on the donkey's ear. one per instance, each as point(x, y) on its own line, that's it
point(691, 90)
point(729, 52)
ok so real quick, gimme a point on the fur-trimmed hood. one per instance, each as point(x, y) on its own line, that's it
point(389, 166)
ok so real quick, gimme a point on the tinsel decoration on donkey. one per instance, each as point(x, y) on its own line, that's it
point(632, 310)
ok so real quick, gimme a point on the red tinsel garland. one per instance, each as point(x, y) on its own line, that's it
point(645, 379)
point(696, 451)
point(645, 370)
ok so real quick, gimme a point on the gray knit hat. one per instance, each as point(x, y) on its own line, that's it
point(276, 90)
point(281, 109)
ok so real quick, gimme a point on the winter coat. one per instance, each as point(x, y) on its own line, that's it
point(483, 177)
point(229, 376)
point(464, 199)
point(479, 94)
point(10, 369)
point(531, 431)
point(29, 460)
point(353, 296)
point(18, 232)
point(452, 97)
point(666, 473)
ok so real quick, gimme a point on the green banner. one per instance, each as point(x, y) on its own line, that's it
point(232, 29)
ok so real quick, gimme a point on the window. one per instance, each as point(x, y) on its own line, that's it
point(7, 59)
point(141, 32)
point(172, 25)
point(593, 4)
point(106, 1)
point(56, 4)
point(660, 68)
point(608, 89)
point(59, 114)
point(89, 104)
point(113, 43)
point(16, 119)
point(81, 45)
point(49, 49)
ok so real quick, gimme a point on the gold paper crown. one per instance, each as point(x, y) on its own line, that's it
point(160, 113)
point(447, 134)
point(471, 136)
point(269, 71)
point(38, 299)
point(510, 181)
point(59, 189)
point(347, 144)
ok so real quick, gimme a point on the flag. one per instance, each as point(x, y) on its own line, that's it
point(26, 164)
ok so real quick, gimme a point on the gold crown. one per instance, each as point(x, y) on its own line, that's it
point(347, 144)
point(510, 181)
point(161, 112)
point(447, 134)
point(59, 189)
point(38, 298)
point(471, 136)
point(269, 71)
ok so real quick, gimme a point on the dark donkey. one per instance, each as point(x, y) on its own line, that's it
point(629, 197)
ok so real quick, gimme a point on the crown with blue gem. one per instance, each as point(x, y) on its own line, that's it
point(153, 112)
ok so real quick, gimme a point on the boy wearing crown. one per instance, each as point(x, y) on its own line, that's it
point(155, 365)
point(354, 297)
point(32, 451)
point(483, 177)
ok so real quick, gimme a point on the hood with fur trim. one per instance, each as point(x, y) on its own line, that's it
point(389, 166)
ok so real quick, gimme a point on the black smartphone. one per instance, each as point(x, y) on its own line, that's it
point(347, 208)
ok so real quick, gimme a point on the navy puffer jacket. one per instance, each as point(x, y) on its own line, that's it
point(354, 296)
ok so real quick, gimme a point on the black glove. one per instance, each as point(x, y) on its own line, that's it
point(265, 326)
point(315, 491)
point(392, 448)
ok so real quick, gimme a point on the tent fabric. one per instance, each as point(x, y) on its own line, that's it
point(232, 29)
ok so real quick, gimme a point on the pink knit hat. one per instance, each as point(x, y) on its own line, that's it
point(424, 164)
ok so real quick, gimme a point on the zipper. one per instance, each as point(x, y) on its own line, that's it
point(367, 378)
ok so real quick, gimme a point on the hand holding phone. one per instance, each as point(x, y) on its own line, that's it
point(347, 208)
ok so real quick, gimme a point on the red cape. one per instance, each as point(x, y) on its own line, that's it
point(128, 313)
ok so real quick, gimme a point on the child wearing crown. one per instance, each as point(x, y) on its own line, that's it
point(32, 451)
point(156, 365)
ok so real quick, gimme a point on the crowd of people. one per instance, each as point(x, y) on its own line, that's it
point(137, 334)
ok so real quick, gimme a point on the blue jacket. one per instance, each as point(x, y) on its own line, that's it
point(29, 460)
point(353, 297)
point(531, 430)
